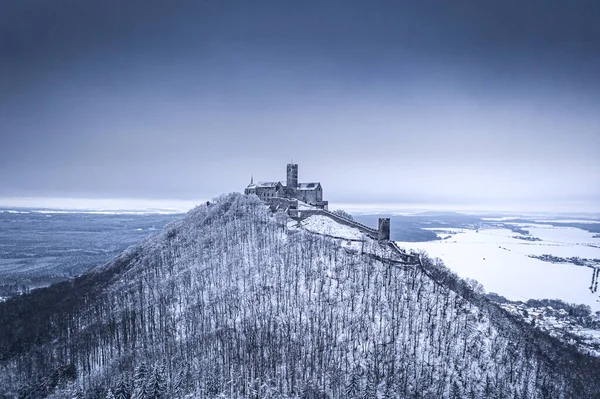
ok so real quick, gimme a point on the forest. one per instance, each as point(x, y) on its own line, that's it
point(229, 302)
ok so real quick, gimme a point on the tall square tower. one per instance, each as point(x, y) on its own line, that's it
point(384, 229)
point(292, 180)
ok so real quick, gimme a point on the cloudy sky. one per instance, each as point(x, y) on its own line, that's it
point(456, 103)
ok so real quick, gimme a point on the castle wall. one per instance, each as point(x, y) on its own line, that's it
point(310, 196)
point(268, 192)
point(282, 204)
point(305, 213)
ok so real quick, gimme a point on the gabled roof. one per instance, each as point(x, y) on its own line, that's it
point(308, 186)
point(267, 184)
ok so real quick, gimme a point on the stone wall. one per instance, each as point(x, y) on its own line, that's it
point(281, 204)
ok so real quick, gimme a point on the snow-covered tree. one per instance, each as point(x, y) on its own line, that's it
point(140, 382)
point(343, 213)
point(157, 383)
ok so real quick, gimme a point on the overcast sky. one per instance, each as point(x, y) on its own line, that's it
point(456, 102)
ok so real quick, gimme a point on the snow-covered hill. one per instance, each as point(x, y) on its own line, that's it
point(235, 302)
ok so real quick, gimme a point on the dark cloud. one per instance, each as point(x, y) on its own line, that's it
point(383, 101)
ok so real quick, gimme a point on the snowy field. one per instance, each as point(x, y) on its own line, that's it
point(499, 260)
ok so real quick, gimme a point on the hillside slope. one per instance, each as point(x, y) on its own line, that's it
point(234, 302)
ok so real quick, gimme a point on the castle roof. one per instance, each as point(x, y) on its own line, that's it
point(267, 184)
point(308, 186)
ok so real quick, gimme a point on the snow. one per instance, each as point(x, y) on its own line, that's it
point(444, 231)
point(500, 262)
point(582, 221)
point(50, 212)
point(304, 205)
point(593, 334)
point(325, 225)
point(559, 235)
point(109, 212)
point(501, 219)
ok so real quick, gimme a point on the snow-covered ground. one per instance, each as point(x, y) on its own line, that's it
point(325, 225)
point(350, 238)
point(581, 221)
point(499, 260)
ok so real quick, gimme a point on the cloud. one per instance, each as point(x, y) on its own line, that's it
point(382, 102)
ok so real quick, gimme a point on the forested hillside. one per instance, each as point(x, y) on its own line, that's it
point(231, 302)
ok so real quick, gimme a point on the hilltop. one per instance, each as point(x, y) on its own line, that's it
point(235, 301)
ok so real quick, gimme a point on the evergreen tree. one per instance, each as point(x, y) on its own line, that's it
point(122, 391)
point(179, 384)
point(353, 387)
point(140, 381)
point(370, 391)
point(157, 384)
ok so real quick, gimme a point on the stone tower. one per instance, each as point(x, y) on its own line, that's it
point(292, 180)
point(384, 229)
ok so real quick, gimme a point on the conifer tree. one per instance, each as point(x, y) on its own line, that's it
point(157, 383)
point(140, 380)
point(353, 387)
point(178, 386)
point(122, 390)
point(370, 391)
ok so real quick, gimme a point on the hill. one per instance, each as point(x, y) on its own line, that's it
point(235, 302)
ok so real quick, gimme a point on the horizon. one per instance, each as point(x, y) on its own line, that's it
point(177, 206)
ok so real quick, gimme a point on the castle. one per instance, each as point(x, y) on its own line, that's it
point(286, 198)
point(309, 193)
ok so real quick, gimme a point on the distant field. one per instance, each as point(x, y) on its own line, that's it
point(518, 256)
point(39, 248)
point(522, 259)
